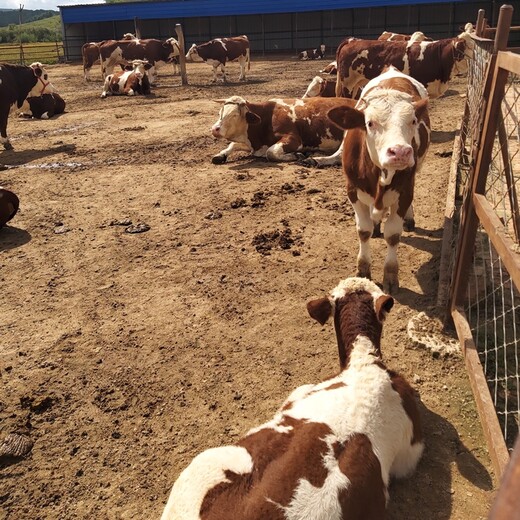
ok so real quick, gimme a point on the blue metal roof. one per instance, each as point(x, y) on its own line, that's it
point(197, 8)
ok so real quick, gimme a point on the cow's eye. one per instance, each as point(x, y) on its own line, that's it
point(414, 122)
point(370, 124)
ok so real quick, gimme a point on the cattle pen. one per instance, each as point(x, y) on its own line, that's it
point(482, 236)
point(154, 303)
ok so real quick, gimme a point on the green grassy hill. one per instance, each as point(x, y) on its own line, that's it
point(10, 16)
point(41, 30)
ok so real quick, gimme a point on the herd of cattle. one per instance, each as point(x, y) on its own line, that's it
point(360, 427)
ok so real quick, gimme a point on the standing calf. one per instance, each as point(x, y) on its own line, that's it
point(388, 134)
point(330, 450)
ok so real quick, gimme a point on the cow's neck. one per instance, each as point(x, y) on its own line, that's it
point(355, 317)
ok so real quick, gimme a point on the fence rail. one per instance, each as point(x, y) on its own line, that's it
point(26, 53)
point(484, 294)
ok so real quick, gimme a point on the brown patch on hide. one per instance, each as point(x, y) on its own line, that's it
point(403, 388)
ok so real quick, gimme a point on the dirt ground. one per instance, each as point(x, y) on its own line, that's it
point(123, 355)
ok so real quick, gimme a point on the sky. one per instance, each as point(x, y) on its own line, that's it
point(44, 4)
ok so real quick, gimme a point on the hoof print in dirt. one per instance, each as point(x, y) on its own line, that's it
point(219, 159)
point(238, 203)
point(140, 227)
point(16, 445)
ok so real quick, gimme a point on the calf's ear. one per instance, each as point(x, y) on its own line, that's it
point(347, 117)
point(320, 310)
point(383, 306)
point(252, 118)
point(421, 109)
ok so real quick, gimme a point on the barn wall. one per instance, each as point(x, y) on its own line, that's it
point(288, 32)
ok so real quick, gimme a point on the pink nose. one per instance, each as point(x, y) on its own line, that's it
point(215, 130)
point(399, 153)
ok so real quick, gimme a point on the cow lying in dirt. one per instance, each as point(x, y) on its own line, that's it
point(331, 448)
point(44, 106)
point(132, 80)
point(320, 87)
point(278, 129)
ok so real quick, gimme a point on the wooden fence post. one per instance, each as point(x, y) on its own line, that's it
point(182, 55)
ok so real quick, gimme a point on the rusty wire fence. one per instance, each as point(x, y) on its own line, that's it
point(484, 297)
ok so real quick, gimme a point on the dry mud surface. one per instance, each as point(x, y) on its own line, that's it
point(123, 355)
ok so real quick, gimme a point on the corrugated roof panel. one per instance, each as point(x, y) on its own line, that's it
point(197, 8)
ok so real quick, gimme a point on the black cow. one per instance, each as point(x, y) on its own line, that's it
point(8, 206)
point(16, 83)
point(44, 106)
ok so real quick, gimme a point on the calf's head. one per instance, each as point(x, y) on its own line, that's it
point(234, 118)
point(390, 120)
point(174, 45)
point(140, 68)
point(193, 54)
point(359, 307)
point(43, 84)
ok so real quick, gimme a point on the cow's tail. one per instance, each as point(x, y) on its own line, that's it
point(248, 58)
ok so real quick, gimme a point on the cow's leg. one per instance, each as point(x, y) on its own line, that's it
point(284, 150)
point(365, 227)
point(222, 156)
point(86, 73)
point(223, 70)
point(393, 232)
point(106, 87)
point(330, 160)
point(409, 220)
point(215, 76)
point(4, 114)
point(242, 63)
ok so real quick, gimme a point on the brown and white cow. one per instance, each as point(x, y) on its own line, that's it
point(320, 87)
point(331, 68)
point(9, 204)
point(219, 51)
point(431, 63)
point(331, 449)
point(44, 106)
point(130, 81)
point(16, 83)
point(277, 129)
point(312, 54)
point(386, 139)
point(417, 36)
point(90, 56)
point(156, 52)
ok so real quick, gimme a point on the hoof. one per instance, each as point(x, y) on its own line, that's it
point(8, 146)
point(390, 282)
point(219, 159)
point(307, 161)
point(409, 225)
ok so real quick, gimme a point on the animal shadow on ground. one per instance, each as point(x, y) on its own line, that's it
point(451, 92)
point(425, 240)
point(17, 158)
point(255, 81)
point(439, 137)
point(428, 492)
point(257, 162)
point(12, 237)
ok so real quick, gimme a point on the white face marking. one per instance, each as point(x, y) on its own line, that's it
point(193, 54)
point(314, 87)
point(232, 124)
point(391, 126)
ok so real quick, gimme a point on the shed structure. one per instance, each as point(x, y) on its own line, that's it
point(286, 26)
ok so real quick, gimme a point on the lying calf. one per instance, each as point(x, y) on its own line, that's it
point(44, 106)
point(331, 448)
point(132, 80)
point(320, 87)
point(312, 54)
point(279, 128)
